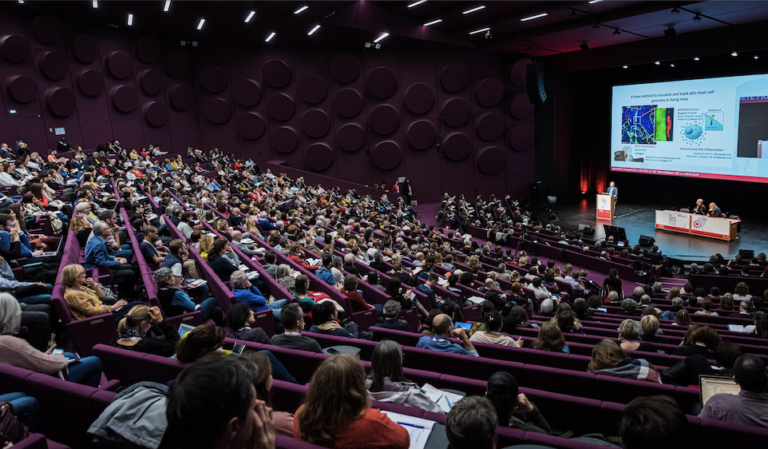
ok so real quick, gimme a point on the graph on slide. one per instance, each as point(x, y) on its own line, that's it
point(638, 124)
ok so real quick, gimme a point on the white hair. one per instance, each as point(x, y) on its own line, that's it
point(546, 306)
point(10, 314)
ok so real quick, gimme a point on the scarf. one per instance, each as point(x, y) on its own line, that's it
point(329, 325)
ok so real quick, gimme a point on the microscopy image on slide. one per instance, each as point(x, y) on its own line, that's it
point(638, 124)
point(665, 120)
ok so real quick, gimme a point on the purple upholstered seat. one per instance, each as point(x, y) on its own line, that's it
point(482, 368)
point(13, 379)
point(286, 396)
point(283, 442)
point(560, 381)
point(162, 369)
point(616, 389)
point(428, 360)
point(125, 365)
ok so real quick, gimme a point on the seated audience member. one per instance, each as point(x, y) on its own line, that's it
point(351, 292)
point(653, 422)
point(629, 336)
point(687, 371)
point(389, 319)
point(388, 384)
point(239, 320)
point(492, 334)
point(608, 359)
point(745, 310)
point(292, 317)
point(706, 305)
point(246, 292)
point(504, 394)
point(650, 326)
point(85, 298)
point(700, 340)
point(19, 353)
point(326, 316)
point(443, 328)
point(26, 409)
point(550, 339)
point(471, 424)
point(336, 413)
point(284, 277)
point(302, 294)
point(628, 307)
point(750, 406)
point(221, 265)
point(677, 305)
point(177, 302)
point(97, 256)
point(144, 330)
point(213, 404)
point(283, 421)
point(682, 318)
point(324, 273)
point(547, 308)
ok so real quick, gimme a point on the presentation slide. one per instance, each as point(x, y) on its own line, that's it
point(715, 128)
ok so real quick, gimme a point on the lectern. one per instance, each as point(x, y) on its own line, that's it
point(605, 205)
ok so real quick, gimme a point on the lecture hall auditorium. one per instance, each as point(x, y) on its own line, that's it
point(374, 224)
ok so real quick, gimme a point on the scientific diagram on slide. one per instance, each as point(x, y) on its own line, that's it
point(638, 124)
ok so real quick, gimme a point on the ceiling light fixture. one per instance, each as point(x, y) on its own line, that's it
point(194, 43)
point(479, 31)
point(595, 1)
point(533, 17)
point(625, 67)
point(433, 22)
point(21, 2)
point(130, 19)
point(167, 5)
point(697, 18)
point(416, 3)
point(301, 10)
point(95, 4)
point(671, 31)
point(672, 65)
point(595, 27)
point(250, 16)
point(269, 38)
point(696, 58)
point(756, 57)
point(470, 11)
point(616, 32)
point(312, 31)
point(734, 54)
point(381, 38)
point(200, 25)
point(657, 62)
point(675, 11)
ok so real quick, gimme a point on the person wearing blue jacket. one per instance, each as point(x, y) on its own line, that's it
point(246, 292)
point(97, 256)
point(325, 273)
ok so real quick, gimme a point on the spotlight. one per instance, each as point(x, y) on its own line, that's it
point(625, 67)
point(671, 31)
point(696, 58)
point(672, 65)
point(734, 54)
point(756, 57)
point(584, 46)
point(697, 18)
point(616, 32)
point(675, 11)
point(657, 62)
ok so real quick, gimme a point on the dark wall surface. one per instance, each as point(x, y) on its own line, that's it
point(449, 121)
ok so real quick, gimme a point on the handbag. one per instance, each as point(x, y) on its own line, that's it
point(11, 429)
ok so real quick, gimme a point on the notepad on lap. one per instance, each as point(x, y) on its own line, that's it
point(444, 399)
point(418, 429)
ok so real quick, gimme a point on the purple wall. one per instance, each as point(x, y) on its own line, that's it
point(449, 121)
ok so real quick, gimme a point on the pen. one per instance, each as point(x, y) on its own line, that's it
point(410, 425)
point(449, 402)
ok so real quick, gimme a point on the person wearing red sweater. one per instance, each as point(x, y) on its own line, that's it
point(336, 415)
point(358, 302)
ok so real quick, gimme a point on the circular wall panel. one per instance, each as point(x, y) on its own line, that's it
point(318, 157)
point(455, 77)
point(85, 48)
point(277, 73)
point(217, 110)
point(521, 138)
point(90, 82)
point(456, 112)
point(312, 89)
point(348, 103)
point(490, 160)
point(489, 126)
point(386, 156)
point(147, 49)
point(213, 79)
point(60, 101)
point(517, 73)
point(182, 97)
point(384, 120)
point(155, 113)
point(151, 81)
point(419, 99)
point(251, 126)
point(421, 135)
point(15, 48)
point(177, 64)
point(457, 147)
point(280, 107)
point(123, 98)
point(382, 83)
point(350, 137)
point(22, 88)
point(119, 64)
point(247, 92)
point(345, 68)
point(48, 29)
point(284, 140)
point(520, 107)
point(53, 64)
point(489, 92)
point(315, 123)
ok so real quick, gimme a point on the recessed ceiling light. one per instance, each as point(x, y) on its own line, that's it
point(734, 54)
point(625, 67)
point(416, 3)
point(672, 65)
point(470, 11)
point(194, 43)
point(95, 4)
point(269, 38)
point(696, 58)
point(130, 19)
point(756, 57)
point(301, 10)
point(167, 5)
point(533, 17)
point(312, 31)
point(200, 25)
point(657, 63)
point(433, 22)
point(21, 1)
point(381, 38)
point(479, 31)
point(250, 16)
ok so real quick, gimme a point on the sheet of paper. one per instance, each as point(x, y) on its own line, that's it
point(418, 429)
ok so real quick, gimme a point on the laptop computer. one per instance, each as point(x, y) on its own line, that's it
point(712, 385)
point(53, 253)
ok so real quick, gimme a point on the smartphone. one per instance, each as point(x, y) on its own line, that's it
point(238, 348)
point(58, 351)
point(554, 297)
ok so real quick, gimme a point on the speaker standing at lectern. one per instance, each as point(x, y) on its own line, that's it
point(612, 190)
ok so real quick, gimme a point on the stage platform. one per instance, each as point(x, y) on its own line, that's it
point(639, 220)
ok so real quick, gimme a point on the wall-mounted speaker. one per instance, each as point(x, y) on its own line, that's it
point(534, 77)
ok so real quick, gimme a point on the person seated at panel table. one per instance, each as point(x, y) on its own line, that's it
point(714, 211)
point(700, 208)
